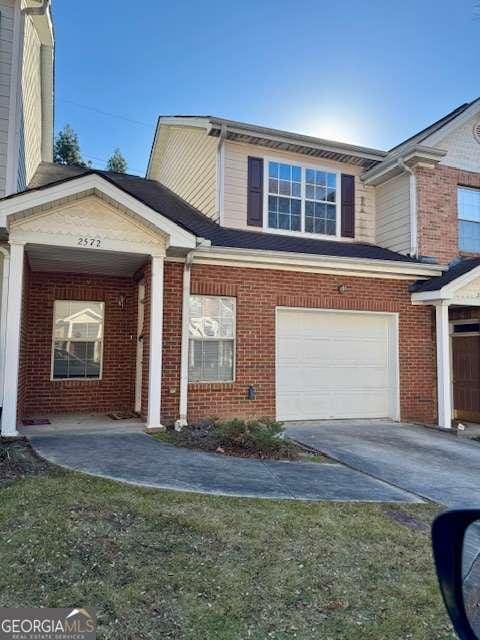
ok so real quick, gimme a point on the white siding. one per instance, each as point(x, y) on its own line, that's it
point(6, 47)
point(185, 161)
point(393, 214)
point(30, 143)
point(235, 186)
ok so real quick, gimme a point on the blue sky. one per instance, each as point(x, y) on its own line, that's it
point(369, 73)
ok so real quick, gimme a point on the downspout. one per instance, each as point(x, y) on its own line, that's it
point(183, 401)
point(413, 207)
point(3, 316)
point(220, 171)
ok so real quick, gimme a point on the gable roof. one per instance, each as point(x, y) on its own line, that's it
point(275, 139)
point(161, 199)
point(437, 283)
point(417, 138)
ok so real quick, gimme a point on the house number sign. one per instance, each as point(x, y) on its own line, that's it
point(88, 241)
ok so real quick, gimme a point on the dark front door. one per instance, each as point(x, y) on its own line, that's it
point(466, 377)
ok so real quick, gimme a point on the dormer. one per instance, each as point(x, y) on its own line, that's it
point(255, 178)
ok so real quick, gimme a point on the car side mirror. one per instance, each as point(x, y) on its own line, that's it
point(456, 550)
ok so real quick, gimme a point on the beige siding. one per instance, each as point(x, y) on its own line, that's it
point(30, 144)
point(6, 47)
point(463, 150)
point(393, 214)
point(235, 186)
point(185, 161)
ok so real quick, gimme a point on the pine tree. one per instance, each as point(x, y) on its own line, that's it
point(66, 149)
point(117, 162)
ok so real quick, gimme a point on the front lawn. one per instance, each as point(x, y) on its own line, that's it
point(163, 565)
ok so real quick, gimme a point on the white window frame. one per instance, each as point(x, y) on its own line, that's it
point(210, 339)
point(303, 167)
point(52, 358)
point(461, 187)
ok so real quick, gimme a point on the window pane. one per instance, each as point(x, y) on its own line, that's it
point(272, 185)
point(469, 236)
point(469, 204)
point(211, 317)
point(285, 172)
point(273, 170)
point(78, 334)
point(211, 360)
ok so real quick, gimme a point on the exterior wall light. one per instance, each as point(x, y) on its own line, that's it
point(251, 392)
point(342, 288)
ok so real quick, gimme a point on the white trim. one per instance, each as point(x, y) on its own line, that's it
point(52, 353)
point(12, 352)
point(3, 316)
point(448, 291)
point(155, 347)
point(394, 347)
point(304, 165)
point(444, 374)
point(11, 208)
point(14, 110)
point(258, 258)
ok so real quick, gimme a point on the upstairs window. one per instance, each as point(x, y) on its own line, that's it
point(284, 196)
point(302, 199)
point(469, 219)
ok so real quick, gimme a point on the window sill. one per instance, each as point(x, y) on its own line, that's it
point(210, 385)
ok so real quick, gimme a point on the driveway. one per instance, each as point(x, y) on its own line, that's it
point(434, 465)
point(123, 452)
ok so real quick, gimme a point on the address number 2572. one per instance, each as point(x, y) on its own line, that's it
point(86, 241)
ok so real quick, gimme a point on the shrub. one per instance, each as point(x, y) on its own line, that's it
point(261, 438)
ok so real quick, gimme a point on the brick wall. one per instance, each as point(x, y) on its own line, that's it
point(437, 209)
point(258, 292)
point(115, 391)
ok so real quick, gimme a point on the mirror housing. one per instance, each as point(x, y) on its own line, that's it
point(448, 533)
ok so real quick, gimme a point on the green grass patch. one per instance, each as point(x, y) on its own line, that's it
point(169, 565)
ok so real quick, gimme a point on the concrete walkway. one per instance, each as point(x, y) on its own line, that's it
point(439, 466)
point(123, 452)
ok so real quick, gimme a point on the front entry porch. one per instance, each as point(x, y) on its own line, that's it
point(82, 303)
point(456, 298)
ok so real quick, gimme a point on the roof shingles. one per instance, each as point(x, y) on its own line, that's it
point(161, 199)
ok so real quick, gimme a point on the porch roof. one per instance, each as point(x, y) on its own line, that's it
point(438, 282)
point(161, 199)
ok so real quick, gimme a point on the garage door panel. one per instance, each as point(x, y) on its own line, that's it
point(318, 378)
point(335, 365)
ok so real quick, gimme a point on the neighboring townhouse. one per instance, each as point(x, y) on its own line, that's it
point(253, 272)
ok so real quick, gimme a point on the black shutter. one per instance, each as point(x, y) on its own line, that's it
point(348, 206)
point(255, 192)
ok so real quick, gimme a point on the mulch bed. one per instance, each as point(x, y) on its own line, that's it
point(17, 460)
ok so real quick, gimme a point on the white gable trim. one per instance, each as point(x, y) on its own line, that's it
point(176, 236)
point(435, 138)
point(449, 291)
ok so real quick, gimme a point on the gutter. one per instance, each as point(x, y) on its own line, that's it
point(413, 207)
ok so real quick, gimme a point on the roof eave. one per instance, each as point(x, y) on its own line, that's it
point(417, 155)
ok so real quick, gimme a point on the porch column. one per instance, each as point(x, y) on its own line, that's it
point(12, 340)
point(444, 376)
point(155, 349)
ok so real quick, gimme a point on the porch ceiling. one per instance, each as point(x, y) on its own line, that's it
point(95, 261)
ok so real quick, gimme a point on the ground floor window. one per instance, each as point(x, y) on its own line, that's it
point(77, 339)
point(212, 339)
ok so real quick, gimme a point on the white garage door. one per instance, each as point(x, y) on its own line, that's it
point(336, 365)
